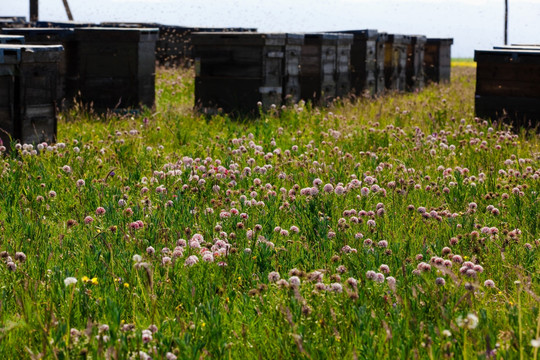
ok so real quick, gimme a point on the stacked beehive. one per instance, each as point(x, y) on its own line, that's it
point(28, 80)
point(508, 84)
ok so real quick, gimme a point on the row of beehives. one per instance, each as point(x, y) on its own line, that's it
point(42, 69)
point(508, 84)
point(237, 72)
point(173, 45)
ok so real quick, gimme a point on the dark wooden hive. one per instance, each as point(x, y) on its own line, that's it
point(28, 80)
point(395, 63)
point(343, 64)
point(318, 67)
point(234, 71)
point(364, 61)
point(437, 60)
point(508, 85)
point(415, 63)
point(116, 67)
point(66, 82)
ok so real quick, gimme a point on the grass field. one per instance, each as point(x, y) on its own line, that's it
point(397, 227)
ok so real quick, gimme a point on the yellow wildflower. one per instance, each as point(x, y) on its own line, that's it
point(94, 281)
point(126, 285)
point(85, 279)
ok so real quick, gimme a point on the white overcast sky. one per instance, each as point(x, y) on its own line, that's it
point(474, 24)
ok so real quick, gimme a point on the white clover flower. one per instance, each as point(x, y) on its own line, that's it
point(70, 281)
point(470, 322)
point(137, 258)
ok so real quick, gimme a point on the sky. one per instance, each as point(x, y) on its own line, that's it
point(474, 24)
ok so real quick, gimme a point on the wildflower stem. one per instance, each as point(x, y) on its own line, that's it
point(537, 336)
point(519, 321)
point(465, 357)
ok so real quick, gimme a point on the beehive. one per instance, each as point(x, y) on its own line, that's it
point(67, 81)
point(395, 61)
point(115, 67)
point(28, 80)
point(343, 64)
point(415, 63)
point(318, 67)
point(234, 71)
point(437, 58)
point(508, 85)
point(364, 61)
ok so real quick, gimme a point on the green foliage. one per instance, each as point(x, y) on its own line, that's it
point(415, 180)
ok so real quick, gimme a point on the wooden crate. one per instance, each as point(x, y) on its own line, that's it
point(364, 61)
point(11, 39)
point(437, 60)
point(116, 67)
point(395, 61)
point(415, 63)
point(508, 85)
point(67, 81)
point(234, 71)
point(28, 80)
point(318, 67)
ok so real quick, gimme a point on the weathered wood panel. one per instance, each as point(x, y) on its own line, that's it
point(415, 63)
point(437, 59)
point(395, 62)
point(291, 81)
point(343, 64)
point(363, 60)
point(318, 67)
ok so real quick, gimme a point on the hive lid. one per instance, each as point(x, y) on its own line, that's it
point(445, 41)
point(365, 34)
point(100, 34)
point(238, 38)
point(58, 33)
point(11, 37)
point(62, 24)
point(515, 56)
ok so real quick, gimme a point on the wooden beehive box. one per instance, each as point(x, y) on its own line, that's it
point(343, 64)
point(508, 85)
point(11, 39)
point(28, 80)
point(66, 86)
point(318, 67)
point(234, 71)
point(291, 68)
point(116, 67)
point(415, 63)
point(395, 61)
point(363, 61)
point(382, 37)
point(437, 60)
